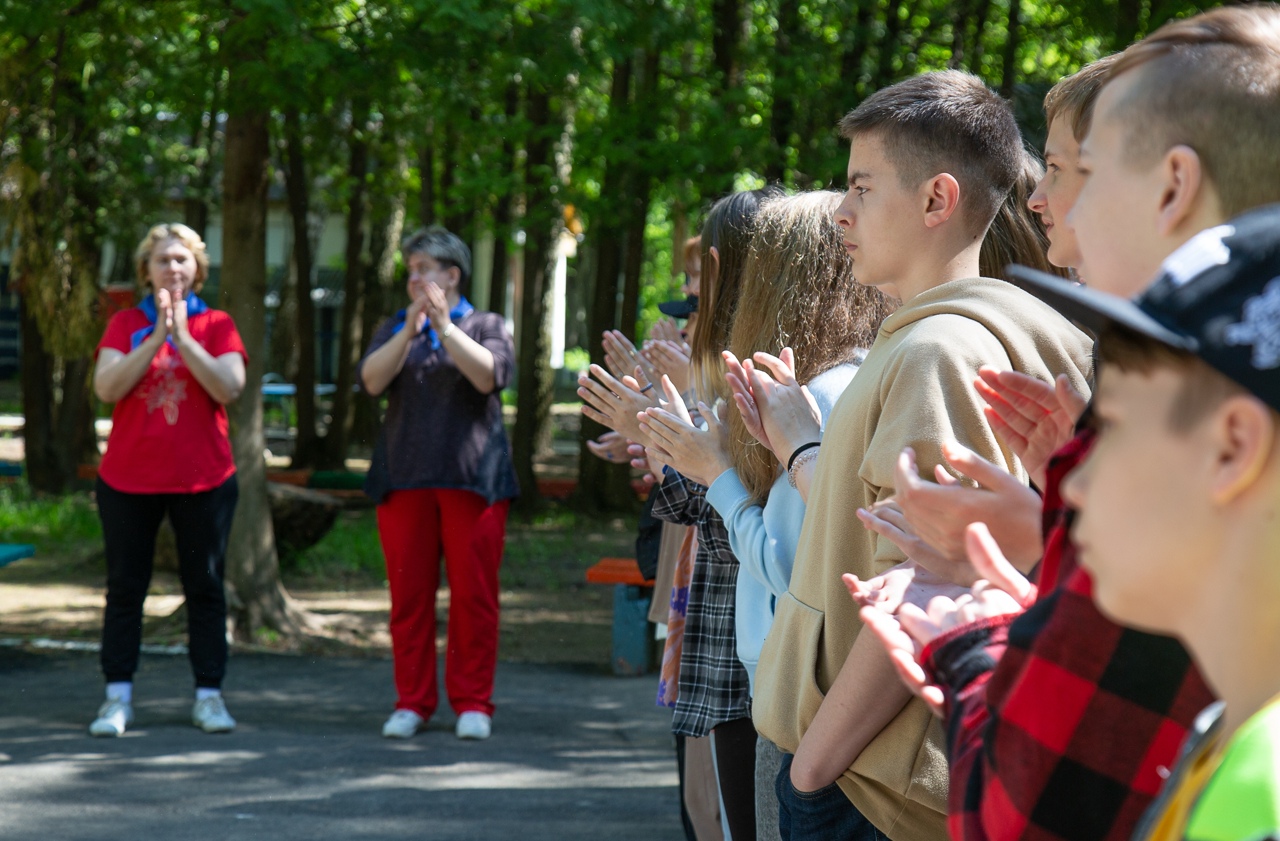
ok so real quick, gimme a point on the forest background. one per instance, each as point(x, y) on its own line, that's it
point(615, 122)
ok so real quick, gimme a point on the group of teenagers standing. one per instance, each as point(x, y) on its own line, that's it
point(441, 475)
point(974, 471)
point(942, 563)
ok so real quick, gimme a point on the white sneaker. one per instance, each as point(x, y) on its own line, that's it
point(113, 717)
point(402, 725)
point(210, 715)
point(473, 725)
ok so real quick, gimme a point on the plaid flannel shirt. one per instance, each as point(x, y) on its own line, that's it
point(713, 682)
point(1060, 723)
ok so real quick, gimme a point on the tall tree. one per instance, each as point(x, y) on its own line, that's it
point(255, 596)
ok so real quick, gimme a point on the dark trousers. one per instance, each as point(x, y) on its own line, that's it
point(201, 523)
point(824, 814)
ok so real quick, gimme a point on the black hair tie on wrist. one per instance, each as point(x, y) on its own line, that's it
point(800, 449)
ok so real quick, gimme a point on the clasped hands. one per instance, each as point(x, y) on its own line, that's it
point(171, 319)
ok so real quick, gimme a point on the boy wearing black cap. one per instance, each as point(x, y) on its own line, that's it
point(1179, 504)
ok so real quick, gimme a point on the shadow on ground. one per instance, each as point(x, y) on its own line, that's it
point(576, 754)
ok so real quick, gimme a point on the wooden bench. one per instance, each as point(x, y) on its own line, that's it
point(10, 552)
point(633, 643)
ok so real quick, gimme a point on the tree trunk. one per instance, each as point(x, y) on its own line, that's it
point(729, 20)
point(959, 27)
point(502, 209)
point(889, 45)
point(1009, 77)
point(783, 113)
point(386, 225)
point(427, 176)
point(196, 202)
point(533, 400)
point(43, 473)
point(307, 445)
point(602, 485)
point(855, 50)
point(350, 339)
point(256, 599)
point(1128, 21)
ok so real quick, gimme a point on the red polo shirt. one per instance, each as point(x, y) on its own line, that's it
point(167, 434)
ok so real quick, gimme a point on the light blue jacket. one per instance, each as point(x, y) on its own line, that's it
point(764, 539)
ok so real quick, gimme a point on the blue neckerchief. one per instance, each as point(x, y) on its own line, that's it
point(195, 306)
point(462, 310)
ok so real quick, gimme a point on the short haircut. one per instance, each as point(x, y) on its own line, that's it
point(444, 247)
point(947, 121)
point(1072, 98)
point(1203, 388)
point(1211, 82)
point(184, 235)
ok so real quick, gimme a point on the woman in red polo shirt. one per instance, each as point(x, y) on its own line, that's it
point(170, 365)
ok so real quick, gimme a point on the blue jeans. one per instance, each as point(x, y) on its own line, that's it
point(822, 815)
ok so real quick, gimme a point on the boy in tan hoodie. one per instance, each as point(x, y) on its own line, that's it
point(931, 159)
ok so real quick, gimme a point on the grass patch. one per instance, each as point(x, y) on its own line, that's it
point(548, 552)
point(53, 524)
point(348, 556)
point(552, 550)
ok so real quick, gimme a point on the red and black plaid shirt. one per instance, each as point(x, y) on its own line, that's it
point(1060, 723)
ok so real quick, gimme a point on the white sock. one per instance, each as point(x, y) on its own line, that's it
point(121, 691)
point(203, 692)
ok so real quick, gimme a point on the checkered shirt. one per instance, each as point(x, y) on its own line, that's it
point(713, 683)
point(1059, 721)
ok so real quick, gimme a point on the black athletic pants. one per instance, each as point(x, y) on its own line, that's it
point(201, 523)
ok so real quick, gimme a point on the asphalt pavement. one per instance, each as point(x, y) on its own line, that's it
point(575, 754)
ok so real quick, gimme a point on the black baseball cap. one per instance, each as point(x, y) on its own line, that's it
point(680, 308)
point(1217, 297)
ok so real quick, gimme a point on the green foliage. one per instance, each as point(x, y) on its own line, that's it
point(52, 524)
point(351, 549)
point(577, 359)
point(111, 110)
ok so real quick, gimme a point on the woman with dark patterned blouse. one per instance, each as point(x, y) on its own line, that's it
point(443, 480)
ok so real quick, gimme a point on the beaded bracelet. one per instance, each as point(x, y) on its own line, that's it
point(798, 461)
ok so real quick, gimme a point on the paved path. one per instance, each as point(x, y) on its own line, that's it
point(574, 755)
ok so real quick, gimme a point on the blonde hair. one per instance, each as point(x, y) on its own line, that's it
point(184, 235)
point(727, 229)
point(1211, 82)
point(798, 290)
point(1072, 99)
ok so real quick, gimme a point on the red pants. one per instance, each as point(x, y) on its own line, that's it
point(415, 525)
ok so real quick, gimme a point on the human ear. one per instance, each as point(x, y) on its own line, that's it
point(712, 268)
point(1244, 434)
point(941, 199)
point(1182, 174)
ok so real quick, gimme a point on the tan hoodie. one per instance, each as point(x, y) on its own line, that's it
point(915, 389)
